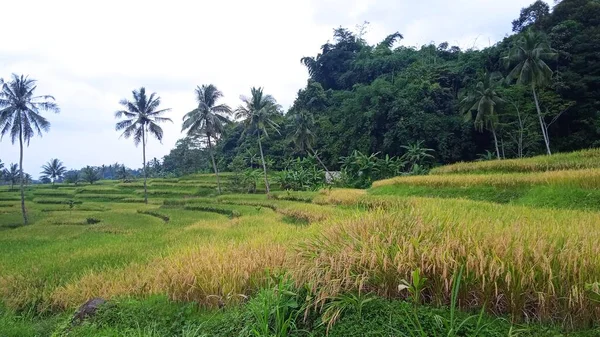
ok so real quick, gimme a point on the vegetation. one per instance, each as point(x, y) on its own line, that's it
point(562, 161)
point(20, 118)
point(54, 170)
point(258, 113)
point(344, 253)
point(207, 120)
point(142, 115)
point(367, 231)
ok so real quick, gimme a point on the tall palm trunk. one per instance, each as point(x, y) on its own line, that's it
point(212, 157)
point(539, 112)
point(144, 158)
point(22, 175)
point(262, 157)
point(327, 174)
point(496, 141)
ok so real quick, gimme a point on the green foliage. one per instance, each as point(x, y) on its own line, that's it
point(415, 286)
point(53, 170)
point(301, 174)
point(90, 175)
point(342, 304)
point(360, 170)
point(11, 175)
point(208, 119)
point(274, 311)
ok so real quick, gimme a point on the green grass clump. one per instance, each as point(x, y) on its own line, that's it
point(165, 218)
point(203, 208)
point(55, 201)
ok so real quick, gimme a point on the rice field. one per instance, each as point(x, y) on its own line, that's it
point(578, 160)
point(527, 262)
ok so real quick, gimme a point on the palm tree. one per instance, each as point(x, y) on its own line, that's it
point(484, 101)
point(12, 174)
point(528, 58)
point(54, 170)
point(122, 173)
point(142, 115)
point(304, 137)
point(90, 174)
point(258, 111)
point(73, 177)
point(207, 119)
point(20, 117)
point(416, 154)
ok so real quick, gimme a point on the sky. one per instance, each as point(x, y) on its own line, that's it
point(90, 55)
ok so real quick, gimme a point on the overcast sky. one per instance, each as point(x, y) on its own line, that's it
point(89, 55)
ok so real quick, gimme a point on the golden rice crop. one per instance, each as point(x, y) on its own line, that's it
point(210, 275)
point(520, 261)
point(339, 196)
point(588, 178)
point(561, 161)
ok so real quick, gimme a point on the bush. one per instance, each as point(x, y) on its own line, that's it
point(302, 175)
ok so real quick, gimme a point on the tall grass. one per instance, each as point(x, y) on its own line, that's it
point(588, 178)
point(212, 275)
point(561, 161)
point(528, 263)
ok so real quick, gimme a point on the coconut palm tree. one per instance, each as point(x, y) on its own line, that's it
point(207, 119)
point(73, 177)
point(258, 111)
point(483, 102)
point(528, 60)
point(304, 137)
point(20, 117)
point(141, 118)
point(90, 174)
point(12, 174)
point(54, 170)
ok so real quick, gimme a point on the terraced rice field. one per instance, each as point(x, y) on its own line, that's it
point(526, 245)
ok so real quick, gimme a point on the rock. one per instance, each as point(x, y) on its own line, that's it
point(88, 309)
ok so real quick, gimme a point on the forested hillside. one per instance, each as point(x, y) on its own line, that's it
point(376, 98)
point(535, 92)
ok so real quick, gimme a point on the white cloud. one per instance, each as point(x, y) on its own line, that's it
point(90, 55)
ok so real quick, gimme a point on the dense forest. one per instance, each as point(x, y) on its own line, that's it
point(534, 92)
point(376, 98)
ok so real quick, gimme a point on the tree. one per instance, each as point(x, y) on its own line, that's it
point(54, 170)
point(90, 174)
point(258, 111)
point(484, 102)
point(531, 15)
point(142, 115)
point(122, 173)
point(416, 154)
point(207, 119)
point(73, 177)
point(12, 174)
point(304, 137)
point(528, 58)
point(20, 117)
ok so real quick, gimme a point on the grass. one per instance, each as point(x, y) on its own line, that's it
point(587, 179)
point(527, 243)
point(584, 159)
